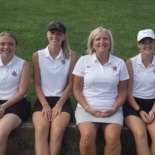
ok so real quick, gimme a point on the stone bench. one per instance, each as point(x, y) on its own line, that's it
point(21, 141)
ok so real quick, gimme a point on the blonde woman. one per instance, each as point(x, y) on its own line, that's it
point(100, 87)
point(53, 81)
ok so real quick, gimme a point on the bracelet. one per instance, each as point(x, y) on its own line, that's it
point(45, 105)
point(86, 107)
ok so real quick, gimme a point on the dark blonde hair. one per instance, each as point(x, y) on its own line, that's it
point(5, 33)
point(65, 45)
point(92, 35)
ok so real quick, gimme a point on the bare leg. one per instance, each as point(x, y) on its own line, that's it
point(88, 132)
point(7, 123)
point(58, 127)
point(138, 128)
point(151, 130)
point(112, 138)
point(41, 125)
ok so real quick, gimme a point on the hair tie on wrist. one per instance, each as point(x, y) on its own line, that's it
point(45, 105)
point(138, 111)
point(86, 107)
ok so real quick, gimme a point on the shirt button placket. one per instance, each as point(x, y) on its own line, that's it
point(4, 73)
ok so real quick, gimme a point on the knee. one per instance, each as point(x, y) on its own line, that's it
point(57, 132)
point(88, 138)
point(40, 130)
point(112, 141)
point(140, 135)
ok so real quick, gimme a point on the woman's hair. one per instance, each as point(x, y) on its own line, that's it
point(93, 34)
point(65, 45)
point(66, 48)
point(5, 33)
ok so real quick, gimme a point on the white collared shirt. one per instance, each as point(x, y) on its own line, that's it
point(54, 73)
point(10, 77)
point(100, 86)
point(143, 78)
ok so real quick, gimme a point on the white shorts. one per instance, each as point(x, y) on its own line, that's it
point(82, 116)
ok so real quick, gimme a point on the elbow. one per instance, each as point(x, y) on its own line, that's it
point(69, 87)
point(22, 93)
point(76, 91)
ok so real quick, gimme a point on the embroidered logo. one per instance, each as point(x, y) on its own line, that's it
point(57, 25)
point(114, 68)
point(14, 73)
point(154, 71)
point(63, 61)
point(88, 66)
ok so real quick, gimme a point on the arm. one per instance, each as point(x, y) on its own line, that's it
point(57, 109)
point(23, 86)
point(77, 88)
point(46, 111)
point(144, 116)
point(130, 97)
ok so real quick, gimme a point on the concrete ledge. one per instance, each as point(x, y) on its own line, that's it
point(21, 141)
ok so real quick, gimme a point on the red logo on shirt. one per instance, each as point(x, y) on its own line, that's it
point(154, 71)
point(114, 68)
point(63, 61)
point(14, 73)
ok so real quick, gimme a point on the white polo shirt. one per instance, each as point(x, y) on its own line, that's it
point(143, 78)
point(54, 73)
point(10, 77)
point(100, 87)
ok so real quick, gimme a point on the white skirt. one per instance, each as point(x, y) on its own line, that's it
point(82, 116)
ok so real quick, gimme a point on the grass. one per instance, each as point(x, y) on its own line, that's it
point(28, 21)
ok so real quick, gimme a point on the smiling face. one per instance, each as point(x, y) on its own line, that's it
point(101, 42)
point(146, 46)
point(8, 46)
point(55, 37)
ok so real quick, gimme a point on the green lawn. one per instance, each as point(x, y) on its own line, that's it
point(28, 20)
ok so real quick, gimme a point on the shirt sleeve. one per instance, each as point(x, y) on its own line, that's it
point(79, 68)
point(123, 72)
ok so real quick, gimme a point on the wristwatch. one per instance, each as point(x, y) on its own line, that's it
point(138, 111)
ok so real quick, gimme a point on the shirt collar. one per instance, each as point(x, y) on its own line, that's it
point(139, 59)
point(95, 58)
point(10, 63)
point(1, 63)
point(47, 53)
point(153, 61)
